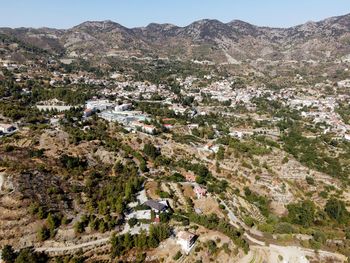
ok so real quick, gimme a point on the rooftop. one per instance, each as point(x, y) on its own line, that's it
point(155, 205)
point(185, 235)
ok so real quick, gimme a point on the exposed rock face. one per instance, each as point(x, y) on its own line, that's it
point(202, 40)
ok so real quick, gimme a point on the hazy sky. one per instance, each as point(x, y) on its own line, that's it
point(131, 13)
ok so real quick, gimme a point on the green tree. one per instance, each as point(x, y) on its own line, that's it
point(43, 233)
point(8, 254)
point(151, 151)
point(302, 213)
point(221, 153)
point(336, 210)
point(28, 255)
point(79, 227)
point(52, 222)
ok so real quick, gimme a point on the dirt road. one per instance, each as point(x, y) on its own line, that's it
point(62, 249)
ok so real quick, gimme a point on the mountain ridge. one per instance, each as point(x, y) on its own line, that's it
point(205, 39)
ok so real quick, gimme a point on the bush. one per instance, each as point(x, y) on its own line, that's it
point(43, 233)
point(177, 256)
point(28, 255)
point(132, 222)
point(284, 228)
point(310, 180)
point(336, 210)
point(8, 254)
point(177, 177)
point(319, 237)
point(9, 148)
point(79, 227)
point(302, 213)
point(347, 233)
point(151, 151)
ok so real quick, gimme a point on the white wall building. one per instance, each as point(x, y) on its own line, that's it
point(100, 105)
point(186, 240)
point(7, 128)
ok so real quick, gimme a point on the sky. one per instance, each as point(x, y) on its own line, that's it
point(133, 13)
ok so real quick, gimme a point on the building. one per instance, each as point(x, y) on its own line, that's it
point(190, 177)
point(88, 112)
point(186, 240)
point(200, 192)
point(7, 128)
point(123, 107)
point(156, 206)
point(98, 105)
point(123, 117)
point(168, 126)
point(150, 129)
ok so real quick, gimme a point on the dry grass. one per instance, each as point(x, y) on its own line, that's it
point(188, 191)
point(151, 189)
point(208, 206)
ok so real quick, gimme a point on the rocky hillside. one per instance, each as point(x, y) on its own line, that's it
point(202, 40)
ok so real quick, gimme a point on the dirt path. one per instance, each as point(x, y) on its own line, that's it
point(291, 254)
point(272, 252)
point(62, 249)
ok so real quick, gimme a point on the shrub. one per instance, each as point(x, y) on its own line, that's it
point(284, 228)
point(177, 256)
point(132, 222)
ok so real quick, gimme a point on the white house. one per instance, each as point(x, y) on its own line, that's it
point(7, 128)
point(186, 240)
point(347, 137)
point(150, 129)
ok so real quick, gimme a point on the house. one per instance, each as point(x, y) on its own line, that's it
point(347, 137)
point(237, 134)
point(7, 128)
point(186, 240)
point(156, 206)
point(190, 177)
point(168, 126)
point(200, 192)
point(150, 129)
point(87, 112)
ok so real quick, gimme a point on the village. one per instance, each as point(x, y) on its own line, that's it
point(217, 153)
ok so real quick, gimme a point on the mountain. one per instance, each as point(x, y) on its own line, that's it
point(201, 40)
